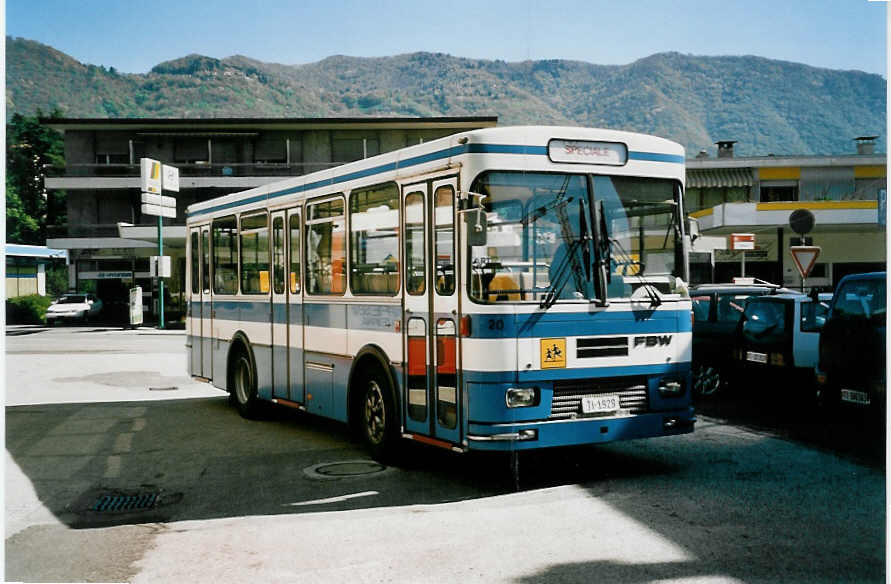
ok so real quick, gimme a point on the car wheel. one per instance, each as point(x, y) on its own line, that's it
point(706, 380)
point(244, 385)
point(378, 416)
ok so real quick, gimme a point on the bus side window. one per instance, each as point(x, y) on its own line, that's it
point(225, 255)
point(254, 254)
point(374, 240)
point(325, 252)
point(278, 255)
point(415, 265)
point(444, 244)
point(294, 270)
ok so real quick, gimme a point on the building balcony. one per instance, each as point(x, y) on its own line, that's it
point(198, 175)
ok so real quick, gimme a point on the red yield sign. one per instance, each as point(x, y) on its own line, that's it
point(804, 256)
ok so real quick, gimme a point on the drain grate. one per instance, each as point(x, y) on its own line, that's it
point(119, 503)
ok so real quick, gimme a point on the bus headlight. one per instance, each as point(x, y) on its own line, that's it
point(519, 397)
point(671, 388)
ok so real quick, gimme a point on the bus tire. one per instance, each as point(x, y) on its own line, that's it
point(377, 420)
point(243, 375)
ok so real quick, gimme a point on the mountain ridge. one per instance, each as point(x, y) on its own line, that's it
point(768, 106)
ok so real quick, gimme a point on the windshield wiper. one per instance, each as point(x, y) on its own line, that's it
point(628, 260)
point(571, 243)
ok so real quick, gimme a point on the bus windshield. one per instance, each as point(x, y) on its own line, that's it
point(542, 230)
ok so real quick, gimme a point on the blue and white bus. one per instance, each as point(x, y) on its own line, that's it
point(498, 289)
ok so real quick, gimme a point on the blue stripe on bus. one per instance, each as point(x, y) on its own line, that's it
point(423, 159)
point(367, 317)
point(553, 324)
point(656, 157)
point(548, 375)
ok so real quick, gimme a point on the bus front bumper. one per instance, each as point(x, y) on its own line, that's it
point(530, 435)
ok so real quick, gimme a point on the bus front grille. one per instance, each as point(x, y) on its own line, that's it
point(566, 403)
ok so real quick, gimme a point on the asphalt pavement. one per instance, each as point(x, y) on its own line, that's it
point(119, 467)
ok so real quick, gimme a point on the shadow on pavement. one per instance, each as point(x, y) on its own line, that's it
point(200, 460)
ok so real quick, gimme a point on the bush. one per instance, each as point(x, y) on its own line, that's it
point(27, 309)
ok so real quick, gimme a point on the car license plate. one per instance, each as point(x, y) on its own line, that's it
point(855, 397)
point(756, 357)
point(598, 404)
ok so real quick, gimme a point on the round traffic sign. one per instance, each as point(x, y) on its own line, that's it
point(801, 221)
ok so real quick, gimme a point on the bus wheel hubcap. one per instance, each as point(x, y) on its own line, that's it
point(375, 414)
point(242, 381)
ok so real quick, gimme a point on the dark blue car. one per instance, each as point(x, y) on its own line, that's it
point(851, 370)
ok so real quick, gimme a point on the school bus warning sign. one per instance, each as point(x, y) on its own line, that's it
point(553, 353)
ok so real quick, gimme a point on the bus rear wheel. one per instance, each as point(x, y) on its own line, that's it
point(244, 385)
point(377, 413)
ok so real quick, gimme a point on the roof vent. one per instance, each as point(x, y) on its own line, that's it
point(866, 144)
point(702, 154)
point(725, 148)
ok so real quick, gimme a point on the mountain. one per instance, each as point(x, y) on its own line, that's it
point(768, 106)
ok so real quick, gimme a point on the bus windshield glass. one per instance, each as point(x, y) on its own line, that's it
point(545, 233)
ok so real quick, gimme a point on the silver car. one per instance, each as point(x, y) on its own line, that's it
point(73, 308)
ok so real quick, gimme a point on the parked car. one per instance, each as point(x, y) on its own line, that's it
point(73, 307)
point(778, 341)
point(717, 309)
point(851, 370)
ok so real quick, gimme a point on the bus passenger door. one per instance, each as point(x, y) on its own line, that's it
point(194, 301)
point(294, 287)
point(206, 303)
point(279, 308)
point(447, 395)
point(416, 398)
point(432, 393)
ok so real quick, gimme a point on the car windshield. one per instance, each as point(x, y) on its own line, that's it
point(860, 298)
point(539, 236)
point(80, 299)
point(764, 317)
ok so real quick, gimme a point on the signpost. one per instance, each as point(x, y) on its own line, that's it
point(742, 242)
point(802, 221)
point(154, 179)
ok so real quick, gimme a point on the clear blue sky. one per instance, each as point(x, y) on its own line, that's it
point(133, 37)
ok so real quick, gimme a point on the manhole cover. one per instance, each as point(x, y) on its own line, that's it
point(344, 469)
point(125, 503)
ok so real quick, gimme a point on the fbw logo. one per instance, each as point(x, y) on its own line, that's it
point(652, 341)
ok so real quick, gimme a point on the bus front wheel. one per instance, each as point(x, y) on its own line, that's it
point(378, 416)
point(244, 385)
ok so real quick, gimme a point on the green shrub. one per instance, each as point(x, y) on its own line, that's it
point(27, 309)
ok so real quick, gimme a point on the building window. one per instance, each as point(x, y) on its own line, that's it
point(773, 193)
point(191, 150)
point(374, 241)
point(225, 255)
point(349, 149)
point(254, 236)
point(325, 249)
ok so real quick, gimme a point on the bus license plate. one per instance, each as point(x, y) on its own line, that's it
point(598, 404)
point(756, 357)
point(855, 397)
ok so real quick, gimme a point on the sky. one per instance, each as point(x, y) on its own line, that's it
point(133, 37)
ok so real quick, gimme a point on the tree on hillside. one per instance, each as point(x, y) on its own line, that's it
point(30, 148)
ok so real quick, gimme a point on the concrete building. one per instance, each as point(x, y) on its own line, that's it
point(110, 241)
point(26, 268)
point(846, 195)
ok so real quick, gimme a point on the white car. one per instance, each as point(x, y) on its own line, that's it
point(73, 307)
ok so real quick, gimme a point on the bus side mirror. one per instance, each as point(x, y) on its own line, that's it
point(477, 226)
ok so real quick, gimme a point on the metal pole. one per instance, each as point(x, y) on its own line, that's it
point(160, 279)
point(743, 263)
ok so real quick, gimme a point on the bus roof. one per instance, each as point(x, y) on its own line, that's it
point(529, 141)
